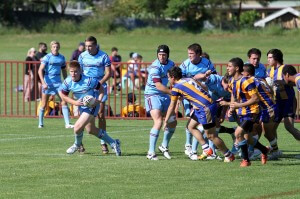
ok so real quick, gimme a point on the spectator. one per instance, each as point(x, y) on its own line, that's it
point(133, 110)
point(78, 51)
point(39, 55)
point(115, 58)
point(135, 70)
point(29, 77)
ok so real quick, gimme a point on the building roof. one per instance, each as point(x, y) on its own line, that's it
point(271, 5)
point(263, 22)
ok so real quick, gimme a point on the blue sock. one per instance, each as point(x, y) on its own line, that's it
point(251, 147)
point(188, 138)
point(104, 136)
point(167, 136)
point(41, 116)
point(195, 145)
point(153, 139)
point(78, 139)
point(244, 149)
point(65, 111)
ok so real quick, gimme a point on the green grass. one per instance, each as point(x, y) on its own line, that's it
point(33, 164)
point(221, 46)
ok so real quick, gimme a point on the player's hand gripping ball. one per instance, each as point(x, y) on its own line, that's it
point(89, 101)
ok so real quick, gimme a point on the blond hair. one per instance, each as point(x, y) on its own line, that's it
point(54, 42)
point(30, 50)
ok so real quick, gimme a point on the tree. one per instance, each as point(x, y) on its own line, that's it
point(192, 12)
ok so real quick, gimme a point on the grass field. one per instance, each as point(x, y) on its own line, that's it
point(221, 47)
point(33, 164)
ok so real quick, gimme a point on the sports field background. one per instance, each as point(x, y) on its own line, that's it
point(221, 47)
point(34, 164)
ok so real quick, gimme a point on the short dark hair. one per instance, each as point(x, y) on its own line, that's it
point(130, 54)
point(237, 62)
point(255, 51)
point(196, 48)
point(175, 72)
point(206, 55)
point(91, 39)
point(42, 44)
point(226, 78)
point(74, 64)
point(289, 69)
point(114, 49)
point(249, 68)
point(277, 55)
point(131, 98)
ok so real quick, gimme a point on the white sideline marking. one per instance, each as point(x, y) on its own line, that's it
point(62, 136)
point(36, 154)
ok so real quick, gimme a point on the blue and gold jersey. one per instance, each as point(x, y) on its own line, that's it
point(53, 65)
point(264, 94)
point(192, 91)
point(94, 65)
point(190, 70)
point(242, 89)
point(157, 73)
point(297, 81)
point(281, 89)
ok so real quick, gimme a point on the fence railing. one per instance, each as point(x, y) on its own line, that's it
point(20, 93)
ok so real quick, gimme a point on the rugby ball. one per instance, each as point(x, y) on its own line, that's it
point(270, 81)
point(88, 101)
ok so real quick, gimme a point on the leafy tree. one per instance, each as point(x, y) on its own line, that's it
point(248, 18)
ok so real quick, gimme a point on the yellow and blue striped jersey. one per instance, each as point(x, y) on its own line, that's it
point(264, 94)
point(192, 91)
point(281, 89)
point(242, 89)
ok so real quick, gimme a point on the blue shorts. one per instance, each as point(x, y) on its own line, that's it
point(284, 108)
point(205, 115)
point(250, 117)
point(91, 111)
point(267, 115)
point(160, 102)
point(52, 89)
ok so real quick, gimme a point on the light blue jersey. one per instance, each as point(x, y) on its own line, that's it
point(215, 88)
point(85, 86)
point(94, 65)
point(157, 73)
point(190, 70)
point(53, 65)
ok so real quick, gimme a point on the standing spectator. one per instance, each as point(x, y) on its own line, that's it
point(78, 51)
point(115, 58)
point(39, 55)
point(29, 74)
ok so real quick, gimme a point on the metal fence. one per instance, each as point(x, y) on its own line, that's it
point(14, 102)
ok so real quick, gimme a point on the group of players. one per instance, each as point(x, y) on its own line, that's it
point(244, 93)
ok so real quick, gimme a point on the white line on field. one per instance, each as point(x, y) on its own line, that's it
point(62, 136)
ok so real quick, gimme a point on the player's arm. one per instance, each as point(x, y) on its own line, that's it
point(170, 111)
point(254, 99)
point(41, 74)
point(64, 73)
point(203, 76)
point(162, 88)
point(64, 96)
point(106, 76)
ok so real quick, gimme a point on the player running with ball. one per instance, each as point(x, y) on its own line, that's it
point(82, 86)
